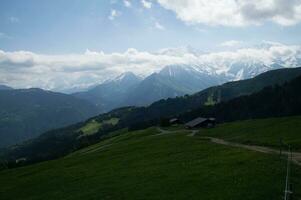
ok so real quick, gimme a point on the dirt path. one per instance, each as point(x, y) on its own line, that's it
point(162, 132)
point(296, 156)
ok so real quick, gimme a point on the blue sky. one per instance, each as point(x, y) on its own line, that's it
point(72, 26)
point(63, 44)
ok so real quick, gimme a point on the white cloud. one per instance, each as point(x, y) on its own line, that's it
point(159, 26)
point(235, 12)
point(127, 3)
point(231, 43)
point(114, 13)
point(60, 72)
point(146, 4)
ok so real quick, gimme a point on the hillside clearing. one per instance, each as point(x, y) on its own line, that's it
point(93, 126)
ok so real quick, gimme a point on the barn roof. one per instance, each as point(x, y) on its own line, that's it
point(196, 121)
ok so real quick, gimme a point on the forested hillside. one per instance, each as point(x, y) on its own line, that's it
point(26, 113)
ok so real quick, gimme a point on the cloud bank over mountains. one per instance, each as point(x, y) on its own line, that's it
point(235, 12)
point(23, 69)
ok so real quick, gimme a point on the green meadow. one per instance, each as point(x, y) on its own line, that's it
point(149, 165)
point(266, 132)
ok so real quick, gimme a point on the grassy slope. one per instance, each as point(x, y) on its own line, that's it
point(91, 127)
point(266, 132)
point(137, 165)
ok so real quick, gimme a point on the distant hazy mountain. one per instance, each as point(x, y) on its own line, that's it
point(179, 80)
point(151, 89)
point(4, 87)
point(170, 82)
point(242, 63)
point(128, 89)
point(189, 79)
point(111, 94)
point(26, 113)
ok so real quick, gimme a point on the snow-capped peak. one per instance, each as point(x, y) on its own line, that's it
point(125, 75)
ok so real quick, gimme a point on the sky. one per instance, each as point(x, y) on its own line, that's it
point(76, 43)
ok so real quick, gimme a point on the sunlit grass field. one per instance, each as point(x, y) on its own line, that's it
point(145, 165)
point(93, 126)
point(266, 132)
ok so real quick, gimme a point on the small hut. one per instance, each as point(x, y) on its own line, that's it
point(201, 122)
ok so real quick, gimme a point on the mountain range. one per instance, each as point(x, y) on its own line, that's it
point(131, 90)
point(246, 99)
point(239, 64)
point(111, 94)
point(170, 82)
point(173, 81)
point(26, 113)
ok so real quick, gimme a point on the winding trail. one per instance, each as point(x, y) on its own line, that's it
point(296, 156)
